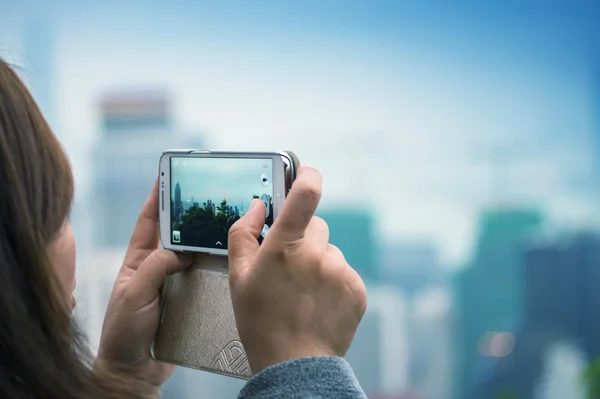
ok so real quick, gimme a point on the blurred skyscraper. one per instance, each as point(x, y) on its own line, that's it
point(411, 266)
point(379, 353)
point(595, 103)
point(561, 279)
point(352, 231)
point(430, 344)
point(489, 296)
point(414, 268)
point(563, 367)
point(365, 357)
point(136, 127)
point(39, 73)
point(95, 280)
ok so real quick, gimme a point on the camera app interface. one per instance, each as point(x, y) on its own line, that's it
point(209, 194)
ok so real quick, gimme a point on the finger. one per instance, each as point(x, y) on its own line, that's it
point(152, 273)
point(335, 251)
point(351, 277)
point(317, 233)
point(146, 232)
point(300, 205)
point(242, 243)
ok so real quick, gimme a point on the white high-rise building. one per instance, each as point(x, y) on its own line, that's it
point(136, 127)
point(95, 278)
point(379, 353)
point(564, 364)
point(430, 339)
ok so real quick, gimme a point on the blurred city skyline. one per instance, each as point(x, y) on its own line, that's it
point(252, 79)
point(459, 145)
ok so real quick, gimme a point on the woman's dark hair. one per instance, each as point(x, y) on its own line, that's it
point(42, 353)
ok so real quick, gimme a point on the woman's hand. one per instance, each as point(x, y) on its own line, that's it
point(133, 312)
point(295, 295)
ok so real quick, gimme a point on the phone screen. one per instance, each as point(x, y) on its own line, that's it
point(209, 194)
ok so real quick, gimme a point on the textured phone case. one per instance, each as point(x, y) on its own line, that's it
point(197, 325)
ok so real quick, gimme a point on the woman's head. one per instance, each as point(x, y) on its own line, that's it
point(37, 186)
point(42, 354)
point(36, 247)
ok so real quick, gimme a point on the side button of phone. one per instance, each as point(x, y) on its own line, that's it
point(279, 202)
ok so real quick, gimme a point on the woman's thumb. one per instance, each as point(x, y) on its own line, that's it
point(243, 237)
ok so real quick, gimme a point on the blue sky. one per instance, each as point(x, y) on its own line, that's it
point(396, 102)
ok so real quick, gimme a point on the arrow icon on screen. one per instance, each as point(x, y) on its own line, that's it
point(218, 243)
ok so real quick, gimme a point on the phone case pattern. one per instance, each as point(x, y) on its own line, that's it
point(232, 360)
point(199, 329)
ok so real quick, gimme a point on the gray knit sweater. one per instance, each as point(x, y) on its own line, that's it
point(308, 378)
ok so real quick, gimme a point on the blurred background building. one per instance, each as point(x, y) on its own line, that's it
point(379, 354)
point(136, 127)
point(489, 293)
point(353, 232)
point(39, 44)
point(560, 278)
point(470, 206)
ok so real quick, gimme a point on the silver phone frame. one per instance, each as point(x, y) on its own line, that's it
point(281, 160)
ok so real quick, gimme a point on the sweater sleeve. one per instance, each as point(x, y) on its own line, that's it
point(307, 378)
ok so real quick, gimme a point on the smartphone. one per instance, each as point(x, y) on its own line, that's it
point(202, 193)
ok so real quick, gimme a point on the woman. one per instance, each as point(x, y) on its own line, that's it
point(296, 300)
